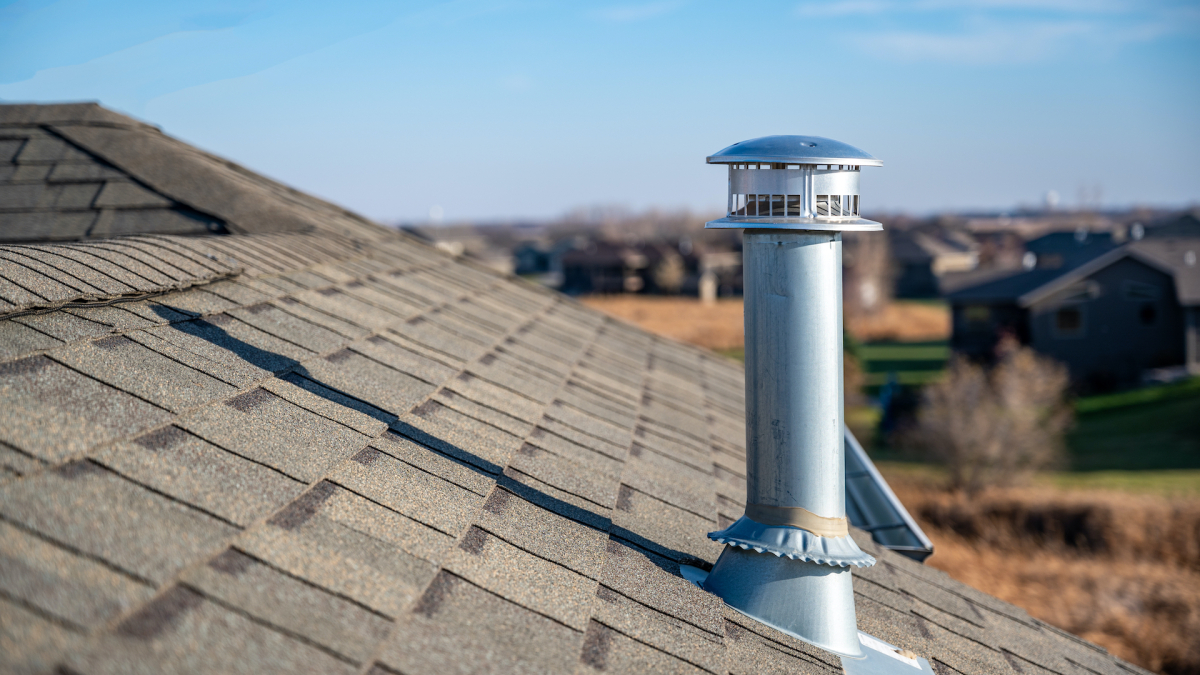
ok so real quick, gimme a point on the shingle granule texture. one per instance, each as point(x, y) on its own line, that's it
point(295, 441)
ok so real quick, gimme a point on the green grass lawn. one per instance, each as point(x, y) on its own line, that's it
point(1148, 429)
point(1173, 483)
point(1170, 483)
point(914, 363)
point(1141, 440)
point(737, 354)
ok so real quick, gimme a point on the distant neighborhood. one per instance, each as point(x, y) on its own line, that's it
point(1114, 296)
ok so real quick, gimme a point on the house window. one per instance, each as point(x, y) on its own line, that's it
point(1068, 322)
point(1148, 314)
point(1050, 261)
point(977, 316)
point(1136, 290)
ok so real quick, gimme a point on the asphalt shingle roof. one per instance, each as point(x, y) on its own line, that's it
point(1176, 256)
point(338, 450)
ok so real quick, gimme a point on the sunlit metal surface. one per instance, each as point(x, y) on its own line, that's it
point(879, 657)
point(872, 506)
point(794, 183)
point(793, 543)
point(793, 150)
point(804, 600)
point(782, 572)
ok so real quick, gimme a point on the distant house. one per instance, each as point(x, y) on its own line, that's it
point(1065, 250)
point(920, 259)
point(1184, 226)
point(610, 267)
point(1109, 314)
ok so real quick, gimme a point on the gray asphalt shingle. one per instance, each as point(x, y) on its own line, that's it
point(530, 513)
point(605, 649)
point(17, 339)
point(422, 496)
point(437, 338)
point(182, 632)
point(342, 626)
point(286, 325)
point(595, 481)
point(486, 393)
point(494, 417)
point(330, 322)
point(321, 539)
point(54, 412)
point(516, 575)
point(355, 375)
point(224, 347)
point(72, 588)
point(387, 351)
point(192, 470)
point(462, 437)
point(652, 627)
point(91, 509)
point(30, 642)
point(457, 627)
point(128, 366)
point(267, 429)
point(543, 533)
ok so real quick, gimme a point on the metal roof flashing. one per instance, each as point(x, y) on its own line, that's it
point(873, 507)
point(878, 657)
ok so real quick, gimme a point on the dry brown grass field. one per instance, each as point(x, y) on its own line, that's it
point(716, 326)
point(1119, 569)
point(719, 325)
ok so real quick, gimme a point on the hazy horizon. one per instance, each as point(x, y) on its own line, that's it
point(494, 111)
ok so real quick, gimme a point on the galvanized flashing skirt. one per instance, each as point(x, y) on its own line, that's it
point(814, 603)
point(793, 543)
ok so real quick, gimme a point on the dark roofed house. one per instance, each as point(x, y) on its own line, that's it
point(1058, 250)
point(1184, 226)
point(921, 259)
point(291, 440)
point(1109, 313)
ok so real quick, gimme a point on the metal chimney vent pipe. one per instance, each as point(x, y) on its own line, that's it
point(787, 560)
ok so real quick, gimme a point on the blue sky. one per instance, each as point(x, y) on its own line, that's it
point(502, 110)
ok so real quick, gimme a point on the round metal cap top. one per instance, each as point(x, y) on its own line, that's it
point(794, 150)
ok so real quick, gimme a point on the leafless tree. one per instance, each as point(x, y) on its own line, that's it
point(866, 273)
point(996, 427)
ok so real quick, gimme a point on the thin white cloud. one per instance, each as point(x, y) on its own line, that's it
point(845, 7)
point(991, 43)
point(1000, 44)
point(876, 7)
point(1073, 6)
point(632, 13)
point(1005, 31)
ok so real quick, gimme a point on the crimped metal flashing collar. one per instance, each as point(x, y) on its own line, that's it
point(794, 543)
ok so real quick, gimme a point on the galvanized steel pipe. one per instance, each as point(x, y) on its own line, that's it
point(787, 560)
point(794, 387)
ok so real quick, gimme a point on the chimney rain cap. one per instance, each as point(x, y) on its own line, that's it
point(793, 150)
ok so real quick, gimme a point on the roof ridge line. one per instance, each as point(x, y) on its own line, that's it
point(84, 302)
